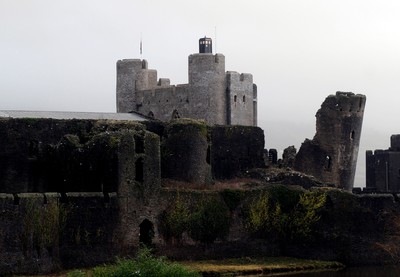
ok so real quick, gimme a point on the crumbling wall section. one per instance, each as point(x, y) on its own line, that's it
point(235, 149)
point(332, 154)
point(72, 155)
point(41, 232)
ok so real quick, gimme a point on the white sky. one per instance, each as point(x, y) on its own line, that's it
point(61, 55)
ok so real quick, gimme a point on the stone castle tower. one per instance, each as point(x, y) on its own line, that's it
point(332, 155)
point(383, 167)
point(213, 95)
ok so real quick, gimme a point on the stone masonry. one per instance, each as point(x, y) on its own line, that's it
point(332, 155)
point(213, 95)
point(383, 168)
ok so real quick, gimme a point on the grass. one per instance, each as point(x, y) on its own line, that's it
point(147, 265)
point(243, 266)
point(144, 265)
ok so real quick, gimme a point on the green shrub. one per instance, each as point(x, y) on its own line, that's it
point(210, 221)
point(265, 216)
point(306, 214)
point(144, 265)
point(206, 222)
point(286, 215)
point(232, 198)
point(175, 221)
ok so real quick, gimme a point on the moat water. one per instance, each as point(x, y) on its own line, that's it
point(373, 271)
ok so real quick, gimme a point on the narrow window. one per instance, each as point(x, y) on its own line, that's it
point(328, 163)
point(234, 98)
point(352, 134)
point(208, 155)
point(139, 170)
point(139, 145)
point(244, 99)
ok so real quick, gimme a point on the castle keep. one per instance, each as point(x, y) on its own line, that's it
point(213, 95)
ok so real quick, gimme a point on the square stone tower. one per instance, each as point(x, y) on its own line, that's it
point(213, 95)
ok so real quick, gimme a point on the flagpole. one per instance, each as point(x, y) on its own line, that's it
point(141, 45)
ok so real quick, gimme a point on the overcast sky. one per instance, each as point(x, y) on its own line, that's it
point(61, 55)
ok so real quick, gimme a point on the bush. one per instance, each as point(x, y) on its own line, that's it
point(205, 223)
point(175, 221)
point(232, 198)
point(210, 221)
point(285, 216)
point(144, 265)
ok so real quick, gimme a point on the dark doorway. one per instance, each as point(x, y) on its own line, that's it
point(146, 234)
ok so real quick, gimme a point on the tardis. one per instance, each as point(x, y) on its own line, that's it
point(205, 45)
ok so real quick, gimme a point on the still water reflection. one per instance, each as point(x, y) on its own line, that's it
point(378, 271)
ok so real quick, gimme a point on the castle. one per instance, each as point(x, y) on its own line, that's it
point(213, 95)
point(78, 189)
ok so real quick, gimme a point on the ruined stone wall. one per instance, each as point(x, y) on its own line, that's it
point(240, 99)
point(42, 155)
point(186, 152)
point(332, 155)
point(383, 168)
point(118, 161)
point(235, 149)
point(41, 232)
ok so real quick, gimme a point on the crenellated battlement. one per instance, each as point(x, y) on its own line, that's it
point(204, 97)
point(346, 103)
point(234, 76)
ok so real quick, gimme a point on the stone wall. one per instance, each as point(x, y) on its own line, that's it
point(235, 149)
point(211, 94)
point(186, 152)
point(165, 103)
point(240, 98)
point(41, 232)
point(78, 192)
point(44, 155)
point(383, 167)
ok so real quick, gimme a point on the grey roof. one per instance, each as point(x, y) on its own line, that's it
point(72, 115)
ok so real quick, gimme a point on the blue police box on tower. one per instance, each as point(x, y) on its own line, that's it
point(205, 45)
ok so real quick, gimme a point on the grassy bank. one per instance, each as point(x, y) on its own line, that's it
point(246, 266)
point(146, 265)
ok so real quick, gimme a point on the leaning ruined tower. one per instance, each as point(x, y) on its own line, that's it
point(332, 154)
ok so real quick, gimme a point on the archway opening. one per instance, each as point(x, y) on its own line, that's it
point(175, 115)
point(146, 234)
